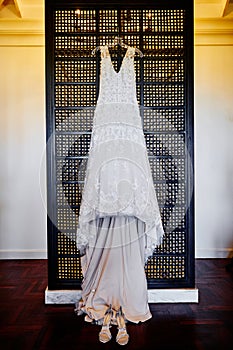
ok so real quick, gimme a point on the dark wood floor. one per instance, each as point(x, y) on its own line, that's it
point(26, 323)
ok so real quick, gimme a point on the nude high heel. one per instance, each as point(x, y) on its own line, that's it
point(122, 337)
point(104, 334)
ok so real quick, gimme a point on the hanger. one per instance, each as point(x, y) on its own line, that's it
point(117, 41)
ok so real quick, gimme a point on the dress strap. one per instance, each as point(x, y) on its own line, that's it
point(104, 51)
point(130, 52)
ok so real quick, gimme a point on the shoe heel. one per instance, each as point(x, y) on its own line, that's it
point(105, 334)
point(122, 337)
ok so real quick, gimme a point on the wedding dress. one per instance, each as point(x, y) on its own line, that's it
point(119, 220)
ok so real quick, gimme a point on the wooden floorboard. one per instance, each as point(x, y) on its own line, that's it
point(27, 323)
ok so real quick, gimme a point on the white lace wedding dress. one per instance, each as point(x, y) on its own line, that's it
point(119, 220)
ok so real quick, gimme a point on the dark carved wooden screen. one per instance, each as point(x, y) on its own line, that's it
point(163, 31)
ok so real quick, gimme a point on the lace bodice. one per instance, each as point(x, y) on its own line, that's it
point(117, 87)
point(118, 177)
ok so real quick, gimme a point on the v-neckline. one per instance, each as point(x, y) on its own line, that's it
point(110, 59)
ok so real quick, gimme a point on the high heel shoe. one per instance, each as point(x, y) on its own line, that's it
point(122, 337)
point(104, 334)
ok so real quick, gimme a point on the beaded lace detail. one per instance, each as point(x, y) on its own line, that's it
point(117, 87)
point(118, 177)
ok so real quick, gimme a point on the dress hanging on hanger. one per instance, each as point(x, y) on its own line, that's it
point(119, 222)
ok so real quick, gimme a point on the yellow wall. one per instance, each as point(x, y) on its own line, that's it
point(22, 215)
point(214, 150)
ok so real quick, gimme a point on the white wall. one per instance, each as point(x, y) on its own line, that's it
point(22, 137)
point(214, 150)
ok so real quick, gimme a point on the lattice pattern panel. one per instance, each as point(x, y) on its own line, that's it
point(161, 93)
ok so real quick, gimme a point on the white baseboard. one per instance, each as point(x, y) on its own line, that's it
point(201, 253)
point(6, 254)
point(185, 295)
point(213, 253)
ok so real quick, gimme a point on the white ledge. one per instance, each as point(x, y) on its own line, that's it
point(181, 295)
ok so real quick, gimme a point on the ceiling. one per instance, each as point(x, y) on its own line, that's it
point(35, 9)
point(213, 8)
point(21, 9)
point(25, 18)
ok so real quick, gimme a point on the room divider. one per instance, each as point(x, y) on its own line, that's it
point(163, 31)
